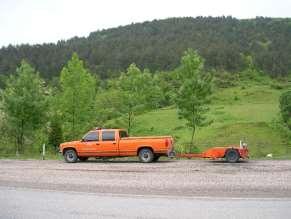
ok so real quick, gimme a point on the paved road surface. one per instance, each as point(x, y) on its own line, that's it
point(28, 203)
point(128, 189)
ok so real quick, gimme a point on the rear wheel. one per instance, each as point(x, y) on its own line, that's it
point(70, 156)
point(146, 155)
point(232, 156)
point(83, 159)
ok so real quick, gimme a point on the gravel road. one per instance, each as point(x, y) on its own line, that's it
point(261, 179)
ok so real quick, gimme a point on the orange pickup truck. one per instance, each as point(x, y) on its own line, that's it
point(100, 143)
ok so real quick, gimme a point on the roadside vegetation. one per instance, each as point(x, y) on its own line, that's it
point(248, 112)
point(201, 108)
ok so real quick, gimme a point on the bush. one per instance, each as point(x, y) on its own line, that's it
point(225, 79)
point(285, 107)
point(276, 86)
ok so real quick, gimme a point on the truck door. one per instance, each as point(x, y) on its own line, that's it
point(109, 143)
point(90, 144)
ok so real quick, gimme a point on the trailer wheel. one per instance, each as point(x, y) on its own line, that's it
point(70, 156)
point(146, 155)
point(232, 156)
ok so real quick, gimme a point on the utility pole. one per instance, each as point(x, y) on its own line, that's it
point(43, 151)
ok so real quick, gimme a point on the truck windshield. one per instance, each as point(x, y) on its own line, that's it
point(91, 136)
point(123, 134)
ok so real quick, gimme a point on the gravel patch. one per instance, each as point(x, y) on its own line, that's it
point(258, 178)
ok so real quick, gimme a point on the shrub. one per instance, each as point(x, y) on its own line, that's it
point(276, 86)
point(285, 107)
point(225, 79)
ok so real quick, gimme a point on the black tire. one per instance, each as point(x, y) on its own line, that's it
point(83, 159)
point(156, 158)
point(146, 155)
point(232, 156)
point(70, 156)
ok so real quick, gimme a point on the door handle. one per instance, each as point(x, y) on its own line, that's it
point(114, 143)
point(97, 143)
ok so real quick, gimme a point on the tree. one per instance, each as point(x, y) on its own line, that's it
point(76, 100)
point(109, 103)
point(285, 107)
point(193, 95)
point(158, 45)
point(24, 103)
point(139, 92)
point(169, 84)
point(55, 133)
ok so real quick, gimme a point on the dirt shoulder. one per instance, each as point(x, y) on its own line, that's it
point(176, 177)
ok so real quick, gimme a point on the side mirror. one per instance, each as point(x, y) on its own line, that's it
point(82, 139)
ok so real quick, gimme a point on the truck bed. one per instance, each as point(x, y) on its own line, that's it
point(145, 137)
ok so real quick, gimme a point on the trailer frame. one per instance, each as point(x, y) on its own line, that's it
point(231, 154)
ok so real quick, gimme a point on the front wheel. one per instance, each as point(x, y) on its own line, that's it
point(146, 155)
point(232, 156)
point(70, 156)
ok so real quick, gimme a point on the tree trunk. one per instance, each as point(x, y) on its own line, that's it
point(73, 124)
point(17, 145)
point(129, 122)
point(74, 115)
point(21, 135)
point(19, 138)
point(192, 139)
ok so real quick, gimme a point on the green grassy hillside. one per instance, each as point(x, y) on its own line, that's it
point(246, 112)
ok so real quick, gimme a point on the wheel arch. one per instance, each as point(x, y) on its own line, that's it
point(145, 147)
point(69, 148)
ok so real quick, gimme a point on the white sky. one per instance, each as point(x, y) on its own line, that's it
point(38, 21)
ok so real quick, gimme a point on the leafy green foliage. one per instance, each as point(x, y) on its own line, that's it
point(55, 133)
point(76, 99)
point(244, 106)
point(139, 92)
point(285, 107)
point(158, 45)
point(250, 119)
point(225, 79)
point(169, 84)
point(194, 92)
point(24, 103)
point(109, 103)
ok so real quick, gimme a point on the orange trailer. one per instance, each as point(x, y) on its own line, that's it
point(231, 154)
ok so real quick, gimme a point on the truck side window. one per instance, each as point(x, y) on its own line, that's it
point(108, 136)
point(91, 136)
point(123, 134)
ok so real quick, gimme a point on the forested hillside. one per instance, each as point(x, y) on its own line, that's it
point(224, 43)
